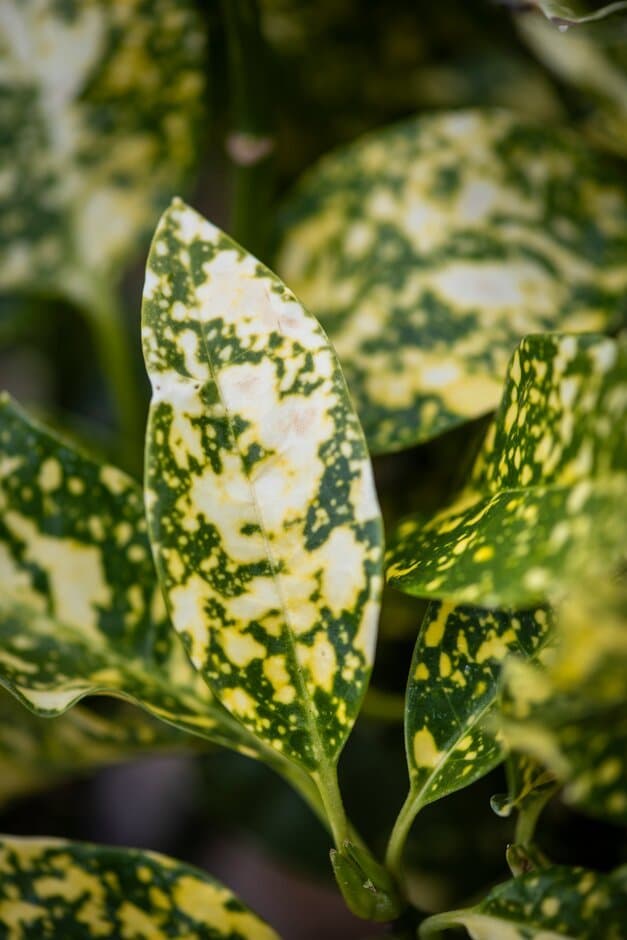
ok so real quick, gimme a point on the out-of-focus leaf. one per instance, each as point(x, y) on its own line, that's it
point(81, 612)
point(101, 105)
point(37, 753)
point(55, 889)
point(558, 902)
point(570, 715)
point(501, 79)
point(593, 63)
point(262, 513)
point(563, 15)
point(550, 475)
point(430, 248)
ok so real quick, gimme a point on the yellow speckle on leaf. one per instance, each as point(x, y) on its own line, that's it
point(421, 672)
point(239, 702)
point(241, 648)
point(493, 648)
point(435, 630)
point(321, 661)
point(485, 553)
point(275, 671)
point(17, 914)
point(50, 475)
point(136, 922)
point(550, 906)
point(426, 753)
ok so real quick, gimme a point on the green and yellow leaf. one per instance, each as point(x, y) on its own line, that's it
point(74, 891)
point(430, 248)
point(452, 693)
point(557, 903)
point(452, 736)
point(36, 754)
point(102, 102)
point(551, 474)
point(571, 715)
point(81, 612)
point(261, 506)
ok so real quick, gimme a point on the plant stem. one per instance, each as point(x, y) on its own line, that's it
point(529, 813)
point(433, 926)
point(105, 317)
point(328, 787)
point(250, 141)
point(394, 853)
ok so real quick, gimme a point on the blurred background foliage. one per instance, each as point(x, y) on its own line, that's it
point(320, 74)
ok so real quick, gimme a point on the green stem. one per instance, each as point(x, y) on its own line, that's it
point(325, 809)
point(329, 790)
point(105, 317)
point(526, 823)
point(250, 142)
point(528, 815)
point(433, 926)
point(396, 845)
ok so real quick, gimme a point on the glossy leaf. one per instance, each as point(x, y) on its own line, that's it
point(102, 102)
point(571, 714)
point(452, 736)
point(66, 891)
point(36, 754)
point(430, 248)
point(559, 902)
point(551, 474)
point(563, 15)
point(262, 511)
point(453, 690)
point(81, 612)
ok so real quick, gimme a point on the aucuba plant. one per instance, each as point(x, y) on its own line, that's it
point(449, 289)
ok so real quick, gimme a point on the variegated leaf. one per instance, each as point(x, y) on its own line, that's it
point(81, 612)
point(551, 474)
point(262, 512)
point(557, 903)
point(451, 735)
point(570, 715)
point(74, 891)
point(430, 248)
point(102, 101)
point(36, 754)
point(563, 15)
point(452, 693)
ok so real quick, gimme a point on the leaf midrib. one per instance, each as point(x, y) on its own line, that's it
point(305, 698)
